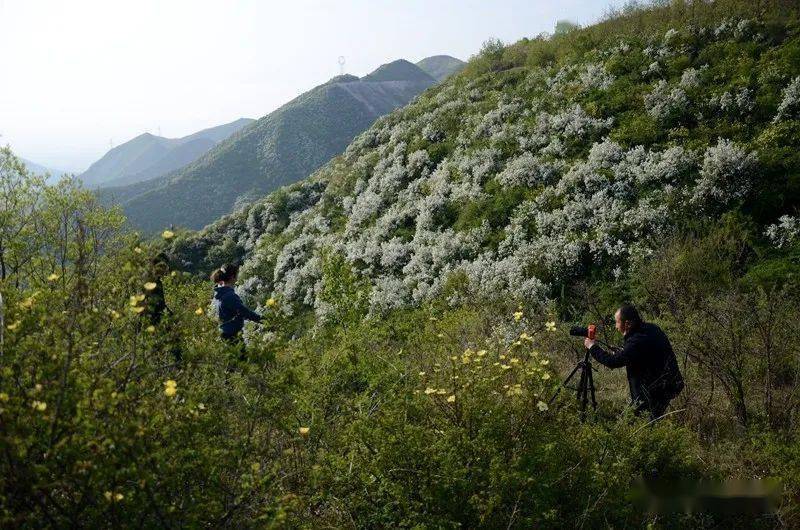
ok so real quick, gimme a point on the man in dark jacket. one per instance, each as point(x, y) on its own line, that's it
point(653, 374)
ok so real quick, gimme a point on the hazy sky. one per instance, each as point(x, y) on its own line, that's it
point(77, 74)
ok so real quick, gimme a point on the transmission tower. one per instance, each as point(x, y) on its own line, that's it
point(341, 64)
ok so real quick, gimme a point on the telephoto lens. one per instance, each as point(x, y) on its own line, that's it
point(579, 331)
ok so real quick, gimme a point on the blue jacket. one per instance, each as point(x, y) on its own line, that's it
point(231, 311)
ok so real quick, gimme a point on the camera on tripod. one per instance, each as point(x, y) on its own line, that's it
point(585, 390)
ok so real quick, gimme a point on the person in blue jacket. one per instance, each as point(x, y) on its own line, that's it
point(230, 309)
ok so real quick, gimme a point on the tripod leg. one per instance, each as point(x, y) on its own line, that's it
point(591, 388)
point(582, 391)
point(563, 384)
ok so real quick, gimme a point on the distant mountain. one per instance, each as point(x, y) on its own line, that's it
point(39, 169)
point(441, 67)
point(280, 148)
point(148, 156)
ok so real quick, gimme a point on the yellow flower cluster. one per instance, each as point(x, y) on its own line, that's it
point(41, 406)
point(168, 234)
point(518, 370)
point(134, 303)
point(112, 496)
point(150, 286)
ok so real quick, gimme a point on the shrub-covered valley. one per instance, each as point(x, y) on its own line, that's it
point(417, 291)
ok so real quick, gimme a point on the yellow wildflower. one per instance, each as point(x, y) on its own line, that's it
point(255, 467)
point(481, 353)
point(151, 329)
point(170, 387)
point(138, 250)
point(41, 406)
point(550, 326)
point(271, 302)
point(167, 234)
point(198, 311)
point(441, 391)
point(545, 376)
point(149, 286)
point(15, 325)
point(3, 397)
point(138, 309)
point(505, 367)
point(422, 374)
point(304, 431)
point(518, 316)
point(27, 303)
point(542, 406)
point(53, 277)
point(430, 390)
point(544, 362)
point(451, 399)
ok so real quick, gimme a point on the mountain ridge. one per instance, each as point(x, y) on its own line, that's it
point(279, 148)
point(148, 156)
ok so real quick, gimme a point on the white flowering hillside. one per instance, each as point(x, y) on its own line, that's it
point(543, 162)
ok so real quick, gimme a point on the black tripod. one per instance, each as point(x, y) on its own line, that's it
point(585, 385)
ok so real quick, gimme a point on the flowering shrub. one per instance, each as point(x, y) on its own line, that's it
point(785, 232)
point(790, 102)
point(666, 104)
point(726, 175)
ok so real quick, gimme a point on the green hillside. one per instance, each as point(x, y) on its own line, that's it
point(280, 148)
point(417, 292)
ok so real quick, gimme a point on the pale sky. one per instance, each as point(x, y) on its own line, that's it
point(78, 74)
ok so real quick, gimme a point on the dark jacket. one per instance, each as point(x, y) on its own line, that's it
point(231, 311)
point(653, 373)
